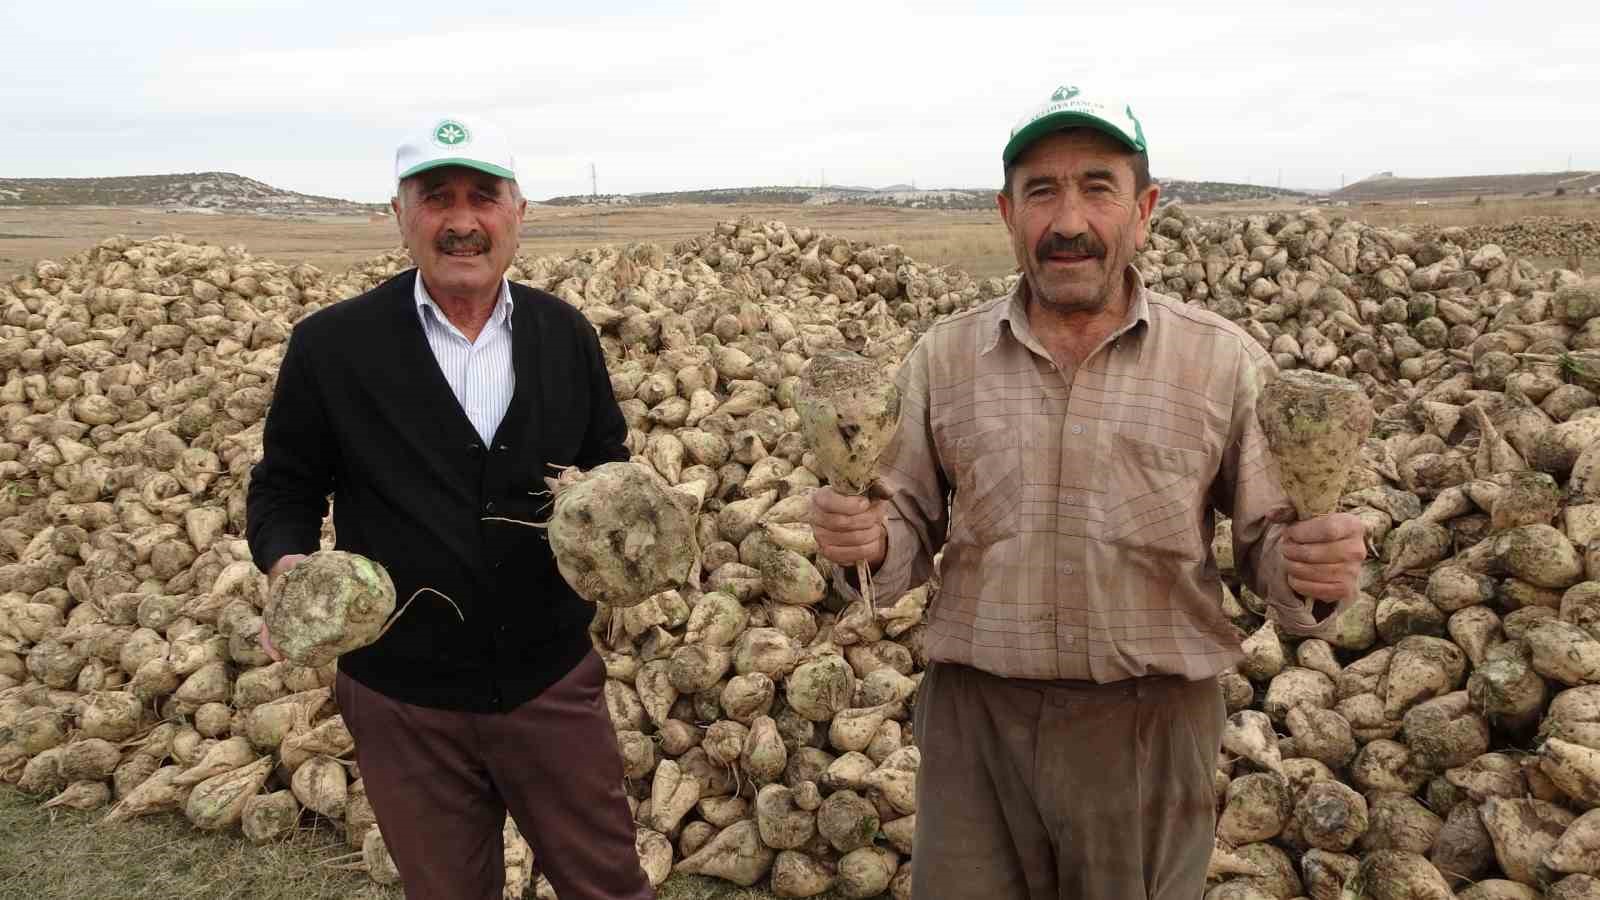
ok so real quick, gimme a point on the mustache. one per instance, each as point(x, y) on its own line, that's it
point(1082, 245)
point(450, 242)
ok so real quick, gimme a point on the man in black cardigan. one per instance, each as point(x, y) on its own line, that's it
point(431, 408)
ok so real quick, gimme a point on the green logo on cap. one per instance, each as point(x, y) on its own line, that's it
point(1138, 129)
point(450, 133)
point(1065, 92)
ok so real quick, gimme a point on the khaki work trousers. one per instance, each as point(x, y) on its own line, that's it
point(1064, 790)
point(440, 783)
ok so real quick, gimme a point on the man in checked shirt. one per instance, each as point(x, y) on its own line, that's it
point(1064, 447)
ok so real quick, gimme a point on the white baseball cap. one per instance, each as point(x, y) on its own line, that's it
point(456, 141)
point(1069, 107)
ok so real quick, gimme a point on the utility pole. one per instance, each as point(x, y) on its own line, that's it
point(594, 199)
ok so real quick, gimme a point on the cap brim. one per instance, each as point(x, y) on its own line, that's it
point(458, 161)
point(1044, 125)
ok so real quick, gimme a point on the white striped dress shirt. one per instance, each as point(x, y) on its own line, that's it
point(480, 372)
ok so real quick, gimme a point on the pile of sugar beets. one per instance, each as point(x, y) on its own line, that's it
point(1444, 741)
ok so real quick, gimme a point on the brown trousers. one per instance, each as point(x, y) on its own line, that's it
point(441, 782)
point(1064, 790)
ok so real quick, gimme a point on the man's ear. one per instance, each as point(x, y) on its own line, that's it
point(1146, 204)
point(399, 222)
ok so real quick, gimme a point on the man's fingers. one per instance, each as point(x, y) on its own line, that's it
point(861, 516)
point(865, 537)
point(1322, 556)
point(1345, 550)
point(849, 555)
point(848, 529)
point(1330, 591)
point(283, 565)
point(266, 644)
point(845, 525)
point(1320, 571)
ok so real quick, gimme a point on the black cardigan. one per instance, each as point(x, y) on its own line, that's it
point(361, 411)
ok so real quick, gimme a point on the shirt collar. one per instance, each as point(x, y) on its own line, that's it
point(1012, 313)
point(425, 302)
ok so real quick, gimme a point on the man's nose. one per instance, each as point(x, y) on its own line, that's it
point(458, 221)
point(458, 218)
point(1067, 219)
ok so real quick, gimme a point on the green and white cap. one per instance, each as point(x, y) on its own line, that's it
point(1067, 108)
point(456, 141)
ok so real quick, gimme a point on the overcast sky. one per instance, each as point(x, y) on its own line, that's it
point(313, 96)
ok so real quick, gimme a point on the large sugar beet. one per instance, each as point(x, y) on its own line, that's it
point(1313, 424)
point(621, 534)
point(848, 414)
point(330, 603)
point(1396, 875)
point(849, 409)
point(218, 802)
point(1523, 830)
point(736, 854)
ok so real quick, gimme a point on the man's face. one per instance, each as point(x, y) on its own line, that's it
point(461, 228)
point(1075, 218)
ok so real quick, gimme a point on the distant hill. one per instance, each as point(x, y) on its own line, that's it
point(905, 196)
point(1194, 192)
point(1385, 186)
point(218, 191)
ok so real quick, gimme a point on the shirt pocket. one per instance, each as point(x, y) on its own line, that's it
point(1154, 494)
point(988, 485)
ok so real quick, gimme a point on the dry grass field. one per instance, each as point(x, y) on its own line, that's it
point(1468, 211)
point(62, 855)
point(972, 240)
point(50, 854)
